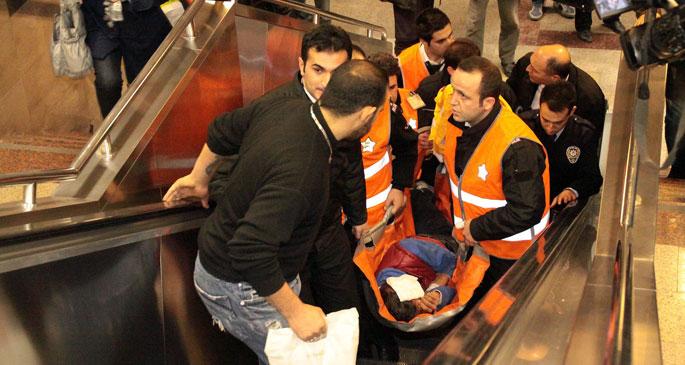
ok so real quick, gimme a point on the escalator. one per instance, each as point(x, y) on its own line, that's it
point(101, 271)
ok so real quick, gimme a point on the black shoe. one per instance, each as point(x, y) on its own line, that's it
point(584, 35)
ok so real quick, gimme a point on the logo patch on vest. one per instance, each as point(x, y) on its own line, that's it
point(368, 145)
point(482, 172)
point(413, 124)
point(573, 154)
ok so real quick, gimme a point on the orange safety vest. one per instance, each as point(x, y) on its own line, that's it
point(377, 163)
point(412, 66)
point(479, 189)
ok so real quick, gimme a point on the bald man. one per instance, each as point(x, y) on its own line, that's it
point(547, 65)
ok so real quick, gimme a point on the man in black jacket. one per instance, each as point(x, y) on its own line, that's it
point(254, 244)
point(549, 64)
point(569, 141)
point(328, 280)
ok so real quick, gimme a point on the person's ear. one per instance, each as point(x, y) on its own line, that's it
point(572, 111)
point(556, 78)
point(300, 64)
point(366, 112)
point(489, 102)
point(450, 70)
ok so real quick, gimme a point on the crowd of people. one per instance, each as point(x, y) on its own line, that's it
point(433, 138)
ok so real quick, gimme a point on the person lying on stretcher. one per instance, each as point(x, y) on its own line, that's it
point(413, 277)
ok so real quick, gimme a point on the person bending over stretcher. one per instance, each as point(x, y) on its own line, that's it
point(413, 277)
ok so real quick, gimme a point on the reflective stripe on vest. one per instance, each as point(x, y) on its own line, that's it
point(530, 233)
point(379, 198)
point(475, 194)
point(467, 197)
point(376, 167)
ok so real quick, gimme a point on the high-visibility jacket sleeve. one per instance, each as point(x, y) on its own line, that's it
point(523, 165)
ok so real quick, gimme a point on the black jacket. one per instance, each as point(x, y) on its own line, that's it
point(573, 160)
point(403, 140)
point(591, 102)
point(347, 184)
point(267, 218)
point(522, 167)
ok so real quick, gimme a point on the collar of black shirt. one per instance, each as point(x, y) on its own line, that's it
point(445, 77)
point(324, 124)
point(433, 68)
point(481, 127)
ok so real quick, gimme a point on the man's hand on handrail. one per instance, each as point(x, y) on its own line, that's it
point(195, 184)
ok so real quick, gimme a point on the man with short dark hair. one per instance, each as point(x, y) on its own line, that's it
point(255, 243)
point(569, 142)
point(497, 170)
point(426, 57)
point(549, 64)
point(329, 279)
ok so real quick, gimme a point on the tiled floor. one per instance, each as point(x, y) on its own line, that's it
point(669, 267)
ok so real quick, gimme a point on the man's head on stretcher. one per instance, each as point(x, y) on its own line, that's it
point(413, 277)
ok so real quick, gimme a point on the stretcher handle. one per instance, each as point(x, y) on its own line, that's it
point(373, 235)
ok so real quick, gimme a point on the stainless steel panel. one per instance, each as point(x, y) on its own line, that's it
point(252, 49)
point(169, 97)
point(190, 337)
point(98, 308)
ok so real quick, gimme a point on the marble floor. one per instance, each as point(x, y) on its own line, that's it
point(599, 58)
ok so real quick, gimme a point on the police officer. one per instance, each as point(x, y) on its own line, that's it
point(549, 64)
point(568, 139)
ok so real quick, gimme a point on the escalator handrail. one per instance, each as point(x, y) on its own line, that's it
point(327, 14)
point(476, 334)
point(101, 134)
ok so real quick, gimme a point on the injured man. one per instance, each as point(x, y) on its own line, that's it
point(413, 277)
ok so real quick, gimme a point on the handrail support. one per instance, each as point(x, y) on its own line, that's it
point(30, 195)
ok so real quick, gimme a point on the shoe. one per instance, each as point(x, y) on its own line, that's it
point(536, 12)
point(615, 26)
point(584, 35)
point(508, 68)
point(565, 10)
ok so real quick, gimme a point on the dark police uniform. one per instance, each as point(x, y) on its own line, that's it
point(573, 160)
point(594, 105)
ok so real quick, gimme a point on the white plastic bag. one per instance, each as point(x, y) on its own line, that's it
point(173, 11)
point(70, 55)
point(339, 347)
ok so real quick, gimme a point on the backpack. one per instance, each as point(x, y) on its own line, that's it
point(70, 55)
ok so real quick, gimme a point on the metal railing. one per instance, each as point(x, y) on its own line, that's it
point(100, 141)
point(318, 13)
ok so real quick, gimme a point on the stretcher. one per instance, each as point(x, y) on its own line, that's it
point(468, 274)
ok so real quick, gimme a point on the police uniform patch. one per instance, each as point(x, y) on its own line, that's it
point(573, 154)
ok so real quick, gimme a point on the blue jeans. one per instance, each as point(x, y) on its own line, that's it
point(238, 309)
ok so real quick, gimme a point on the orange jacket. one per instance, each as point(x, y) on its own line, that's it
point(377, 165)
point(479, 189)
point(377, 161)
point(412, 66)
